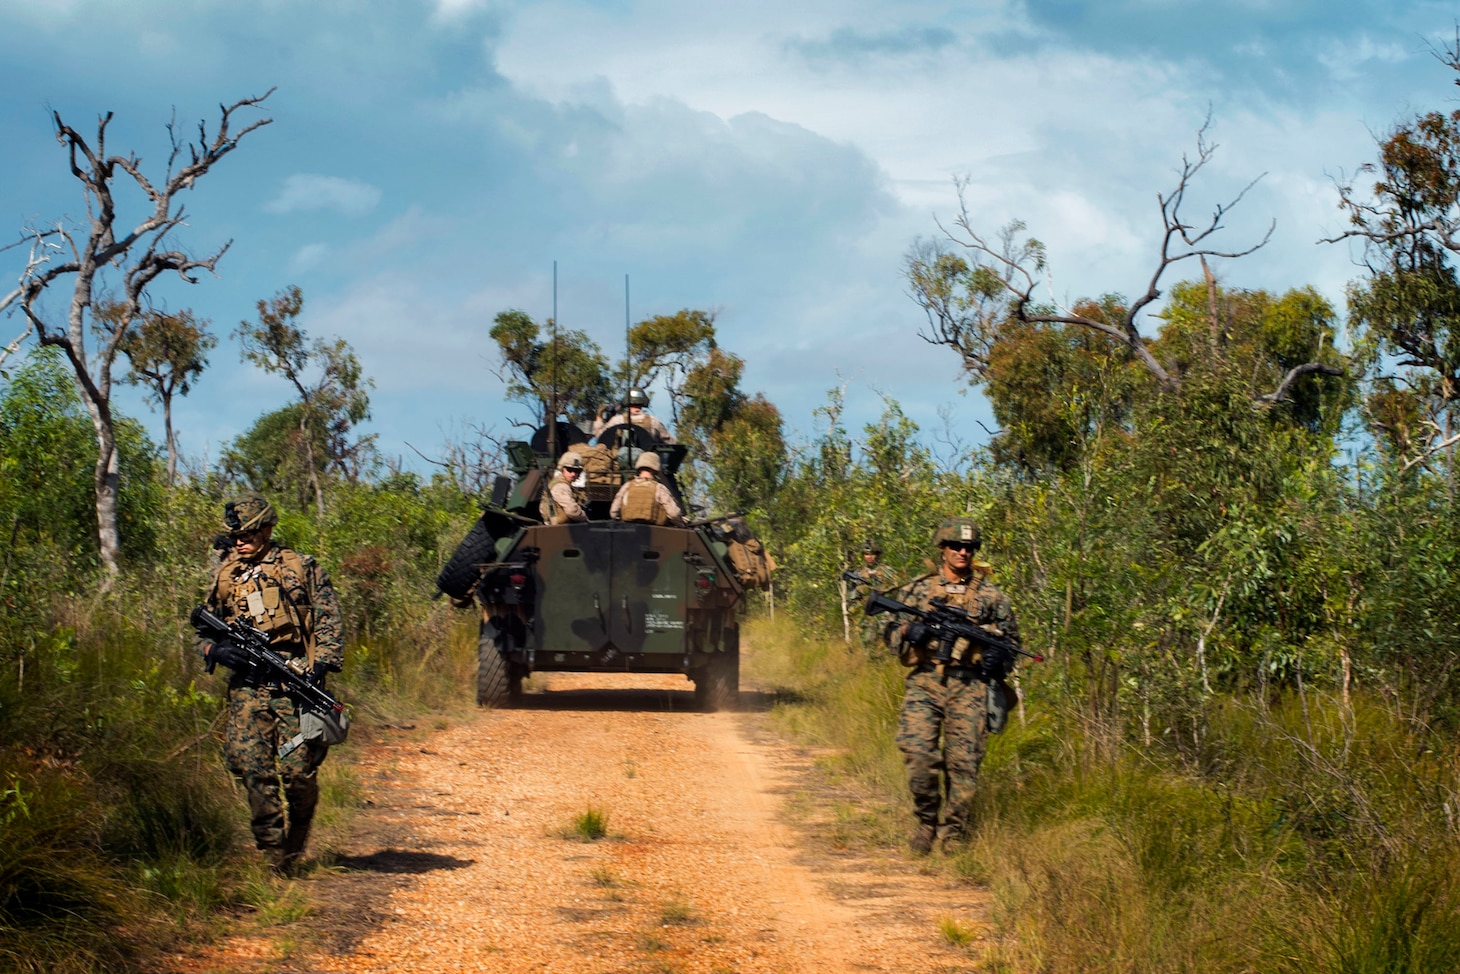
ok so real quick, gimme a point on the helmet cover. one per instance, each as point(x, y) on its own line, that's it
point(960, 529)
point(248, 512)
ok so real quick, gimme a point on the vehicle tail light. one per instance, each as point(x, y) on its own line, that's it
point(518, 580)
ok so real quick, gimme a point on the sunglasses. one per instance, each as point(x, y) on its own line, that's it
point(247, 536)
point(958, 545)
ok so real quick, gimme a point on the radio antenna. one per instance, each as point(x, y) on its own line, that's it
point(628, 380)
point(552, 418)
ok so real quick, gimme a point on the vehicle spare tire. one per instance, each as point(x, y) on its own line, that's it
point(459, 576)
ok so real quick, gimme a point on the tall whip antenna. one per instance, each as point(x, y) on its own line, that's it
point(552, 418)
point(628, 381)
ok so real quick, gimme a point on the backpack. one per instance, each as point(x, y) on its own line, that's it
point(753, 566)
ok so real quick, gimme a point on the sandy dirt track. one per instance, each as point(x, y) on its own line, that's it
point(719, 856)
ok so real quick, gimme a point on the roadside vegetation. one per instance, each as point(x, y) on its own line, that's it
point(1229, 527)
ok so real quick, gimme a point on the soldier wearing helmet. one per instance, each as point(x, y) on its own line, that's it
point(645, 499)
point(289, 598)
point(949, 710)
point(633, 412)
point(560, 503)
point(875, 577)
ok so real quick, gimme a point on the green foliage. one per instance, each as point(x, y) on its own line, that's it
point(333, 392)
point(550, 369)
point(840, 494)
point(48, 534)
point(589, 825)
point(271, 455)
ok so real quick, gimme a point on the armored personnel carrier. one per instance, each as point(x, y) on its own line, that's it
point(602, 595)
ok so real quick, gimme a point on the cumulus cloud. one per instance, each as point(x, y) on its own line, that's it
point(310, 191)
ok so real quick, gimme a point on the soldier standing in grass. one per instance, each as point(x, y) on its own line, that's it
point(947, 709)
point(289, 598)
point(876, 577)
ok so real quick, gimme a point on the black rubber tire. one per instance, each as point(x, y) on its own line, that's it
point(718, 687)
point(459, 576)
point(494, 679)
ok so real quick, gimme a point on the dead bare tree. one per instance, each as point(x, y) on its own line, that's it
point(967, 300)
point(85, 252)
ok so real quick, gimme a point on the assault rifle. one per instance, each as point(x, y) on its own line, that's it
point(245, 648)
point(946, 624)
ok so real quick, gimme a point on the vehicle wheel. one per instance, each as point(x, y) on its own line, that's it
point(719, 685)
point(461, 571)
point(494, 674)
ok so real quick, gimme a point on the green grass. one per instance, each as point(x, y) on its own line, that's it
point(956, 932)
point(589, 825)
point(677, 911)
point(1311, 836)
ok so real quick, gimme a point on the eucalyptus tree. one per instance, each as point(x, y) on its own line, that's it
point(167, 352)
point(334, 392)
point(106, 251)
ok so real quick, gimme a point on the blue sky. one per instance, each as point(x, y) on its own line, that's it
point(429, 161)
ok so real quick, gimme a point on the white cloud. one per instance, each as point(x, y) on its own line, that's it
point(309, 191)
point(310, 255)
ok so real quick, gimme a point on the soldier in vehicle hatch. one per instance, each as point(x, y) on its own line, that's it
point(645, 499)
point(289, 598)
point(560, 502)
point(947, 709)
point(634, 412)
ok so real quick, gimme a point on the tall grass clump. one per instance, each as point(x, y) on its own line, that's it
point(1310, 833)
point(830, 695)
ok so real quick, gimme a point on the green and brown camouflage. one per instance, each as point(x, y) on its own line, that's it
point(601, 595)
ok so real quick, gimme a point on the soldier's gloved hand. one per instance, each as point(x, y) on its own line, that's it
point(915, 633)
point(225, 654)
point(321, 669)
point(995, 661)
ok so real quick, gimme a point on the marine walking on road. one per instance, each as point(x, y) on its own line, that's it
point(288, 598)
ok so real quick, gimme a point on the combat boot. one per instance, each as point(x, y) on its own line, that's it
point(921, 842)
point(949, 838)
point(277, 859)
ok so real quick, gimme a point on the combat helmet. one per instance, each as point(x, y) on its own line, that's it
point(570, 461)
point(871, 548)
point(636, 397)
point(248, 512)
point(957, 529)
point(648, 460)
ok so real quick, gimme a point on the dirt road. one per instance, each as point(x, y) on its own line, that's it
point(719, 854)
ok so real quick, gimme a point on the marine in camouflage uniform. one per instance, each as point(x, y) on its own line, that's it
point(288, 597)
point(877, 578)
point(944, 726)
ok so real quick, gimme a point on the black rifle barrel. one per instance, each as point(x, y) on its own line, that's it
point(949, 618)
point(255, 645)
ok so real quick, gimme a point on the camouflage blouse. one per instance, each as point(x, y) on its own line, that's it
point(977, 595)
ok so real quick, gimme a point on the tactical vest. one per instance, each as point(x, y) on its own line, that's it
point(962, 595)
point(270, 594)
point(641, 503)
point(547, 507)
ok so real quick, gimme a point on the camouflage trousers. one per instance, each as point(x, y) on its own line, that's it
point(942, 735)
point(282, 792)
